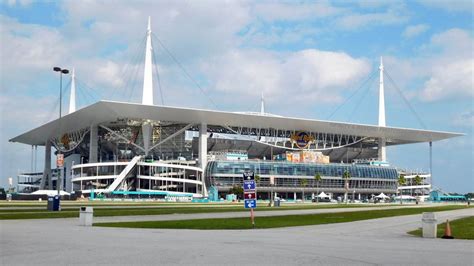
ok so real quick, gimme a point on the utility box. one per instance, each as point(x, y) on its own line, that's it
point(85, 216)
point(53, 203)
point(429, 225)
point(276, 203)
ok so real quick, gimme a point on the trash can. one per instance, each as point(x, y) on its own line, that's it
point(53, 203)
point(429, 225)
point(277, 203)
point(85, 216)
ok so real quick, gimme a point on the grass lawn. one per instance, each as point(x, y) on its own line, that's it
point(68, 211)
point(460, 229)
point(278, 221)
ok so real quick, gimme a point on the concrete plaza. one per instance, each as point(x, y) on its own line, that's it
point(377, 241)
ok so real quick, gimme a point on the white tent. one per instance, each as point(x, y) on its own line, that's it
point(382, 196)
point(323, 195)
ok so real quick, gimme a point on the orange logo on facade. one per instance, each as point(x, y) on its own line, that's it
point(302, 139)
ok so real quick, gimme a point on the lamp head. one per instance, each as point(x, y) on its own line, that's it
point(57, 69)
point(65, 71)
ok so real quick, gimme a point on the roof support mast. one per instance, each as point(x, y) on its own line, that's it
point(382, 156)
point(72, 96)
point(147, 97)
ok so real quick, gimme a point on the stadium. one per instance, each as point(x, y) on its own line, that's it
point(122, 149)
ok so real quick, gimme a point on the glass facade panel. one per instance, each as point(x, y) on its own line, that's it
point(290, 169)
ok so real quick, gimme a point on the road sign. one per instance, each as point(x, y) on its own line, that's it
point(250, 204)
point(249, 185)
point(250, 195)
point(249, 176)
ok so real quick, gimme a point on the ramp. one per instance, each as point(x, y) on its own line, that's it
point(123, 174)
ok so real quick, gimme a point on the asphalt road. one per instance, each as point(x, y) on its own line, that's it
point(378, 241)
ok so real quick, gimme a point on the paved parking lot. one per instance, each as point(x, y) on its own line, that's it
point(378, 241)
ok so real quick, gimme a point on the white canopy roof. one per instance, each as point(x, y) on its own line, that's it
point(108, 111)
point(323, 195)
point(382, 196)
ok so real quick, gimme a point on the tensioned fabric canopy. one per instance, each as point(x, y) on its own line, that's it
point(108, 111)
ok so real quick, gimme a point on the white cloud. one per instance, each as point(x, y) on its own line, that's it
point(415, 30)
point(452, 71)
point(454, 42)
point(271, 11)
point(452, 5)
point(378, 4)
point(465, 119)
point(26, 49)
point(357, 21)
point(454, 79)
point(295, 77)
point(442, 69)
point(22, 3)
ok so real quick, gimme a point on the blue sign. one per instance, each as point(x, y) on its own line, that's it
point(249, 185)
point(250, 204)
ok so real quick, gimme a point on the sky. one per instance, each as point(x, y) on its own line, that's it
point(310, 59)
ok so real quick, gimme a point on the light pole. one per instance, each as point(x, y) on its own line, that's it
point(61, 72)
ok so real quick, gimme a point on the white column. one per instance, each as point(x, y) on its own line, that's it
point(147, 97)
point(203, 154)
point(47, 166)
point(93, 145)
point(294, 196)
point(382, 156)
point(382, 150)
point(146, 134)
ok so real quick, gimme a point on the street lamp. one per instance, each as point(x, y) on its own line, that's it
point(61, 72)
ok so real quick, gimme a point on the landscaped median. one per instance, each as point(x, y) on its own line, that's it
point(279, 221)
point(119, 210)
point(461, 229)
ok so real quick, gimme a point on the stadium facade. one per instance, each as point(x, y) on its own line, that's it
point(120, 148)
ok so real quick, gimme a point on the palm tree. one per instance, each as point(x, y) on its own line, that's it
point(318, 179)
point(346, 176)
point(238, 191)
point(418, 181)
point(257, 179)
point(401, 182)
point(303, 183)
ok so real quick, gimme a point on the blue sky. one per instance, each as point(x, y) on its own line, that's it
point(307, 57)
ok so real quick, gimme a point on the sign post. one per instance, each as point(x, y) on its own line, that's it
point(250, 194)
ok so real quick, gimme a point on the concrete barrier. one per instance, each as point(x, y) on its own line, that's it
point(429, 225)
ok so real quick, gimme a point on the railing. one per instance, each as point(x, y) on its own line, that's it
point(178, 176)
